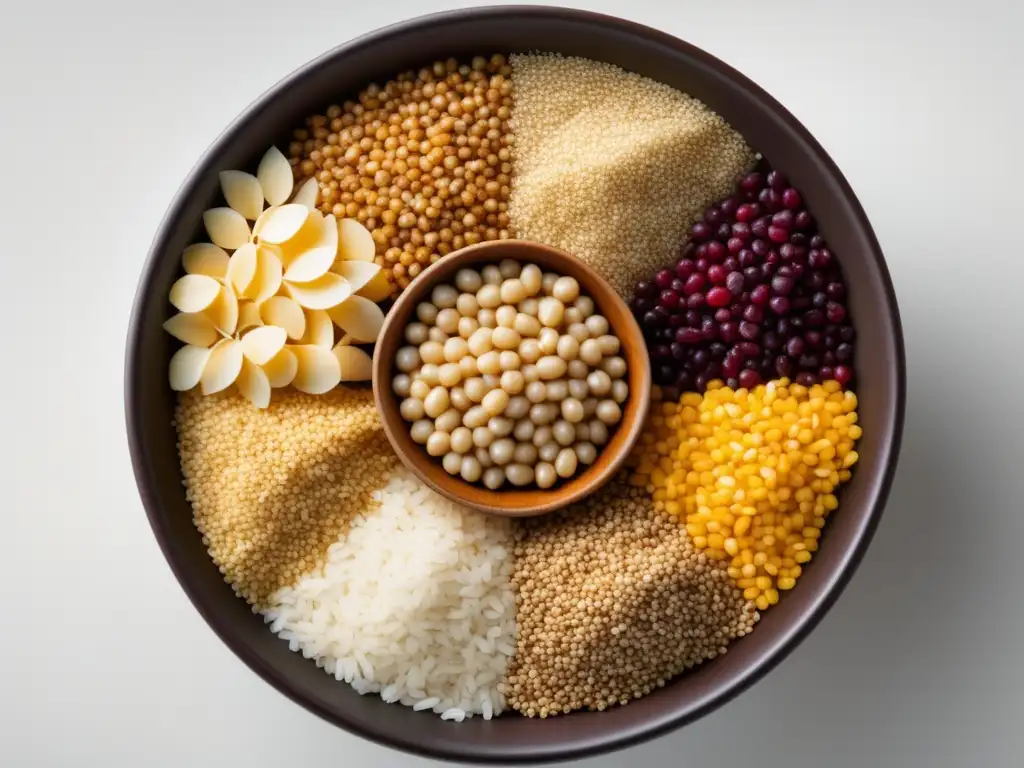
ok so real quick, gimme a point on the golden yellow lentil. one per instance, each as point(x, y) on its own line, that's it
point(752, 474)
point(272, 489)
point(424, 162)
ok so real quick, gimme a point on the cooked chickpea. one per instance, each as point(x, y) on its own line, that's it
point(550, 312)
point(421, 430)
point(508, 372)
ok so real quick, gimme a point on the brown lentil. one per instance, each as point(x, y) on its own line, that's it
point(614, 167)
point(272, 489)
point(424, 162)
point(613, 601)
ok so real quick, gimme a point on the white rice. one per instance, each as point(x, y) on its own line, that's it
point(414, 603)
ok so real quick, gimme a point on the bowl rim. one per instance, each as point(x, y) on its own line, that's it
point(582, 485)
point(601, 741)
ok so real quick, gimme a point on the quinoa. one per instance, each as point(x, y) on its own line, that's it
point(424, 162)
point(612, 166)
point(272, 489)
point(613, 601)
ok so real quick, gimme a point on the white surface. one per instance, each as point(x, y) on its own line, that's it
point(104, 111)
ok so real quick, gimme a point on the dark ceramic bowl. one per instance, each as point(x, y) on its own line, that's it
point(770, 129)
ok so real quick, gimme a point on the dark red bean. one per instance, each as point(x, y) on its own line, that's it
point(718, 296)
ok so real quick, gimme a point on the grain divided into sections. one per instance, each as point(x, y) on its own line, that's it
point(512, 376)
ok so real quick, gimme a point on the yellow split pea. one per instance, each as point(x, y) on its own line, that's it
point(752, 473)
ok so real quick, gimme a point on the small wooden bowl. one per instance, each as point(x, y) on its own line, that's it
point(510, 502)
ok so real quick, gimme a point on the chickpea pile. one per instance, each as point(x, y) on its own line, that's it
point(510, 375)
point(424, 162)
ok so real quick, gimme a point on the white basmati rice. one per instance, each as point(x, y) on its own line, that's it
point(414, 603)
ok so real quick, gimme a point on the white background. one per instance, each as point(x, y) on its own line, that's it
point(105, 108)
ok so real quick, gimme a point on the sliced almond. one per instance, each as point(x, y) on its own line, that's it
point(257, 226)
point(275, 176)
point(226, 227)
point(267, 281)
point(242, 268)
point(319, 370)
point(309, 234)
point(310, 265)
point(223, 312)
point(378, 288)
point(243, 193)
point(308, 261)
point(249, 316)
point(358, 317)
point(355, 364)
point(323, 293)
point(194, 293)
point(205, 259)
point(284, 313)
point(192, 328)
point(319, 329)
point(308, 194)
point(281, 370)
point(355, 243)
point(222, 368)
point(260, 345)
point(187, 366)
point(358, 273)
point(254, 384)
point(282, 223)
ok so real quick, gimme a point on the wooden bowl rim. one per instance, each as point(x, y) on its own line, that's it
point(527, 502)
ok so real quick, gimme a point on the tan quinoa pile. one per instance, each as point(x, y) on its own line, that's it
point(612, 166)
point(613, 601)
point(272, 489)
point(424, 162)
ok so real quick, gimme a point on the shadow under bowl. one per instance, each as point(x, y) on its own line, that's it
point(770, 129)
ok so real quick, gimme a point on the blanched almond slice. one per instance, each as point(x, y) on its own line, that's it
point(358, 317)
point(195, 329)
point(378, 288)
point(194, 293)
point(224, 310)
point(260, 345)
point(243, 193)
point(319, 370)
point(310, 265)
point(307, 261)
point(187, 366)
point(275, 176)
point(344, 341)
point(226, 227)
point(358, 273)
point(205, 259)
point(355, 243)
point(306, 238)
point(242, 268)
point(257, 227)
point(267, 281)
point(248, 316)
point(281, 370)
point(283, 223)
point(284, 313)
point(254, 384)
point(319, 329)
point(323, 293)
point(308, 194)
point(222, 368)
point(355, 364)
